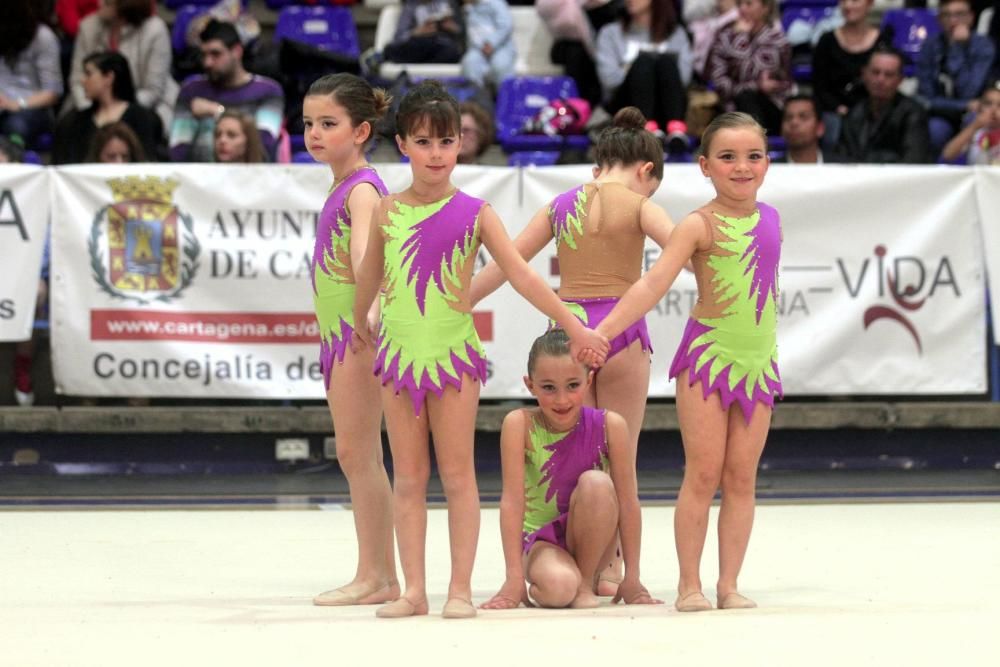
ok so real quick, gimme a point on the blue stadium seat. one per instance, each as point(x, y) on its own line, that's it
point(519, 99)
point(183, 18)
point(811, 15)
point(532, 158)
point(31, 157)
point(328, 28)
point(911, 28)
point(303, 157)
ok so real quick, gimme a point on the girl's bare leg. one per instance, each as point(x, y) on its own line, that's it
point(622, 386)
point(553, 575)
point(411, 466)
point(453, 423)
point(592, 531)
point(739, 480)
point(703, 425)
point(355, 403)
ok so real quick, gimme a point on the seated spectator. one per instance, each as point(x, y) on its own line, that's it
point(490, 53)
point(107, 83)
point(802, 129)
point(131, 28)
point(477, 132)
point(70, 12)
point(837, 60)
point(115, 144)
point(886, 126)
point(703, 19)
point(979, 141)
point(573, 24)
point(644, 60)
point(429, 31)
point(952, 70)
point(237, 139)
point(749, 64)
point(226, 84)
point(30, 78)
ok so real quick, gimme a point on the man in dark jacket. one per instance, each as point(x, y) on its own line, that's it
point(886, 126)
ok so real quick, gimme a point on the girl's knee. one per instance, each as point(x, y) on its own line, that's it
point(557, 587)
point(737, 482)
point(703, 481)
point(595, 484)
point(457, 478)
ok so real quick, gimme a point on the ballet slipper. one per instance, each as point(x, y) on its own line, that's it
point(401, 608)
point(339, 597)
point(458, 608)
point(694, 601)
point(736, 601)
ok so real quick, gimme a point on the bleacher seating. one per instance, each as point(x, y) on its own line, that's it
point(325, 27)
point(911, 28)
point(810, 15)
point(531, 39)
point(177, 4)
point(183, 18)
point(519, 99)
point(532, 158)
point(279, 4)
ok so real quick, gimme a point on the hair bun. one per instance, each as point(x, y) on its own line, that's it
point(629, 118)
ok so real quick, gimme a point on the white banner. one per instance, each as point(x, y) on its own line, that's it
point(24, 217)
point(881, 278)
point(988, 199)
point(193, 280)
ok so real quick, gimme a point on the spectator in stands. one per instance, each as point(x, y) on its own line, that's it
point(573, 25)
point(107, 83)
point(837, 60)
point(644, 60)
point(131, 28)
point(71, 12)
point(802, 129)
point(490, 53)
point(429, 31)
point(886, 126)
point(115, 143)
point(225, 85)
point(952, 70)
point(237, 139)
point(30, 78)
point(477, 132)
point(704, 18)
point(749, 63)
point(979, 141)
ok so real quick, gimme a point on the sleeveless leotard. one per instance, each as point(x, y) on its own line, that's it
point(427, 338)
point(552, 466)
point(730, 342)
point(332, 274)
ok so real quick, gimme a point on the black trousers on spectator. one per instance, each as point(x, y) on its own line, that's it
point(438, 48)
point(577, 61)
point(653, 85)
point(760, 106)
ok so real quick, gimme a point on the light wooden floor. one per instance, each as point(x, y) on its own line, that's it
point(877, 584)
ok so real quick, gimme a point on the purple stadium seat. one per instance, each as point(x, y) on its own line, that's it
point(519, 99)
point(303, 157)
point(910, 29)
point(183, 18)
point(532, 158)
point(328, 28)
point(811, 15)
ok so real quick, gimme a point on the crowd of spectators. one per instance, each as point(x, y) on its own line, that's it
point(69, 68)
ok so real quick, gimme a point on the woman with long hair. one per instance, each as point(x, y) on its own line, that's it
point(30, 77)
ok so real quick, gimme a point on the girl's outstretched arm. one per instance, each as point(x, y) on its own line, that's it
point(655, 223)
point(528, 243)
point(367, 279)
point(533, 288)
point(512, 442)
point(650, 288)
point(622, 457)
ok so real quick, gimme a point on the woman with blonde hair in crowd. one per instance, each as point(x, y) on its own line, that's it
point(237, 139)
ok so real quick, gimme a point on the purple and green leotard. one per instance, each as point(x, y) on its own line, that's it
point(552, 467)
point(730, 341)
point(600, 256)
point(427, 338)
point(332, 273)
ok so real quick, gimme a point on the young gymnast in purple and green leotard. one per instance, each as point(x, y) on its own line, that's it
point(600, 229)
point(422, 248)
point(727, 363)
point(339, 113)
point(569, 488)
